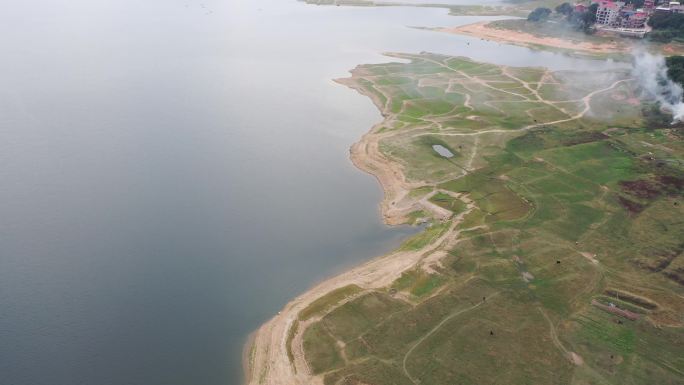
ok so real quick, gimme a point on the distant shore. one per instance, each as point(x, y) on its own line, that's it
point(557, 37)
point(484, 30)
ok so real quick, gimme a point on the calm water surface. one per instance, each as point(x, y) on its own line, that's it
point(173, 172)
point(442, 151)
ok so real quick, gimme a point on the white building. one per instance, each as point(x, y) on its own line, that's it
point(676, 6)
point(608, 12)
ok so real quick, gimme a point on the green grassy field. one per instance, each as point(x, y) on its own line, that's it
point(568, 269)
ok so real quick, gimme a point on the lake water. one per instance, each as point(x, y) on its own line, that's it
point(173, 172)
point(442, 151)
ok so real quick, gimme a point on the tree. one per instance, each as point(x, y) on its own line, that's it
point(591, 13)
point(666, 26)
point(539, 14)
point(583, 21)
point(589, 18)
point(675, 68)
point(576, 19)
point(666, 20)
point(565, 9)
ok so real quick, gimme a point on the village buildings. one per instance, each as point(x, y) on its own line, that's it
point(625, 19)
point(670, 7)
point(621, 18)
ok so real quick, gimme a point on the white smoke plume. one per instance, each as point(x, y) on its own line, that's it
point(651, 72)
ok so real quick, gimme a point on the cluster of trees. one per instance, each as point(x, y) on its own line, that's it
point(580, 20)
point(539, 14)
point(565, 9)
point(584, 21)
point(666, 27)
point(675, 68)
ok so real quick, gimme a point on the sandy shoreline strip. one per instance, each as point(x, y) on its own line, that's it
point(483, 30)
point(266, 359)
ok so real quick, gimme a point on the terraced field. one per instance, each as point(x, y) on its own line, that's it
point(552, 252)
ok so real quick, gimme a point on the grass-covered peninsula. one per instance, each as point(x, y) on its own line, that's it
point(552, 247)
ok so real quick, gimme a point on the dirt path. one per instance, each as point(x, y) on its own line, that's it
point(534, 90)
point(432, 331)
point(587, 107)
point(571, 356)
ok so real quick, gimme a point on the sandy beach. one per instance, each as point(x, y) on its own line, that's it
point(483, 30)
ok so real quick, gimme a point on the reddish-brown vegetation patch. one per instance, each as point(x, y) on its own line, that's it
point(660, 263)
point(677, 275)
point(631, 206)
point(616, 310)
point(673, 184)
point(649, 190)
point(642, 188)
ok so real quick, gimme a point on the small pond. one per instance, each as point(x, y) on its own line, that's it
point(443, 151)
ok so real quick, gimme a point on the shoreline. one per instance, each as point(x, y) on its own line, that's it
point(265, 355)
point(523, 39)
point(247, 357)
